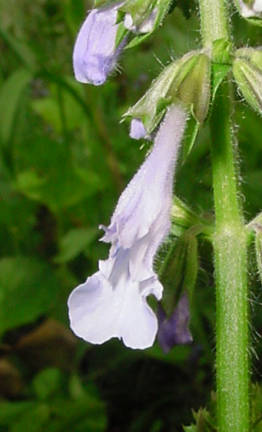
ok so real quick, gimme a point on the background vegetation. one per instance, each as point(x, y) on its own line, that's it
point(64, 160)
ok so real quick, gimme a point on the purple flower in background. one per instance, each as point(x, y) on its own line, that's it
point(113, 302)
point(95, 52)
point(174, 330)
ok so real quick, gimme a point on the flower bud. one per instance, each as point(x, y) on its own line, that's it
point(186, 80)
point(143, 16)
point(250, 9)
point(175, 329)
point(247, 70)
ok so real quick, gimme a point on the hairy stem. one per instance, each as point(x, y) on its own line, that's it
point(214, 20)
point(230, 243)
point(230, 247)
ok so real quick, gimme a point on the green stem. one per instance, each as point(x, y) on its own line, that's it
point(230, 247)
point(214, 21)
point(230, 244)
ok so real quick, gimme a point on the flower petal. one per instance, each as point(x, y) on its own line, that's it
point(137, 129)
point(148, 196)
point(95, 54)
point(110, 304)
point(90, 317)
point(139, 323)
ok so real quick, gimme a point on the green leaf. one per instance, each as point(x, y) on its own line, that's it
point(20, 48)
point(190, 137)
point(222, 51)
point(28, 289)
point(60, 110)
point(171, 272)
point(87, 414)
point(10, 411)
point(204, 422)
point(34, 420)
point(10, 97)
point(256, 404)
point(56, 179)
point(192, 266)
point(190, 429)
point(74, 242)
point(47, 383)
point(219, 73)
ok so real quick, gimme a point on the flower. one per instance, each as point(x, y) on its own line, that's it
point(104, 34)
point(95, 52)
point(250, 9)
point(113, 302)
point(137, 129)
point(174, 330)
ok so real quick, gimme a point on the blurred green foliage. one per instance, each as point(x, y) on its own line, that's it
point(64, 160)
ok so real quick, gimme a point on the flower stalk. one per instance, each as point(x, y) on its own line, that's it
point(230, 247)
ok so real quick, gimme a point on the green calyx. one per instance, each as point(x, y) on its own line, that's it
point(247, 70)
point(185, 81)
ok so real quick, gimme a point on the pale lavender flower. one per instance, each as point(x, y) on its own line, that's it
point(113, 302)
point(137, 129)
point(95, 52)
point(175, 329)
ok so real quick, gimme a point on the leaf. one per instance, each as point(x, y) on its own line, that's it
point(28, 289)
point(256, 403)
point(47, 383)
point(192, 266)
point(190, 429)
point(204, 422)
point(60, 110)
point(10, 96)
point(190, 137)
point(34, 420)
point(74, 242)
point(52, 176)
point(219, 72)
point(86, 414)
point(11, 411)
point(20, 48)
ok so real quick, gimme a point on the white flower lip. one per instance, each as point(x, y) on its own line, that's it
point(112, 302)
